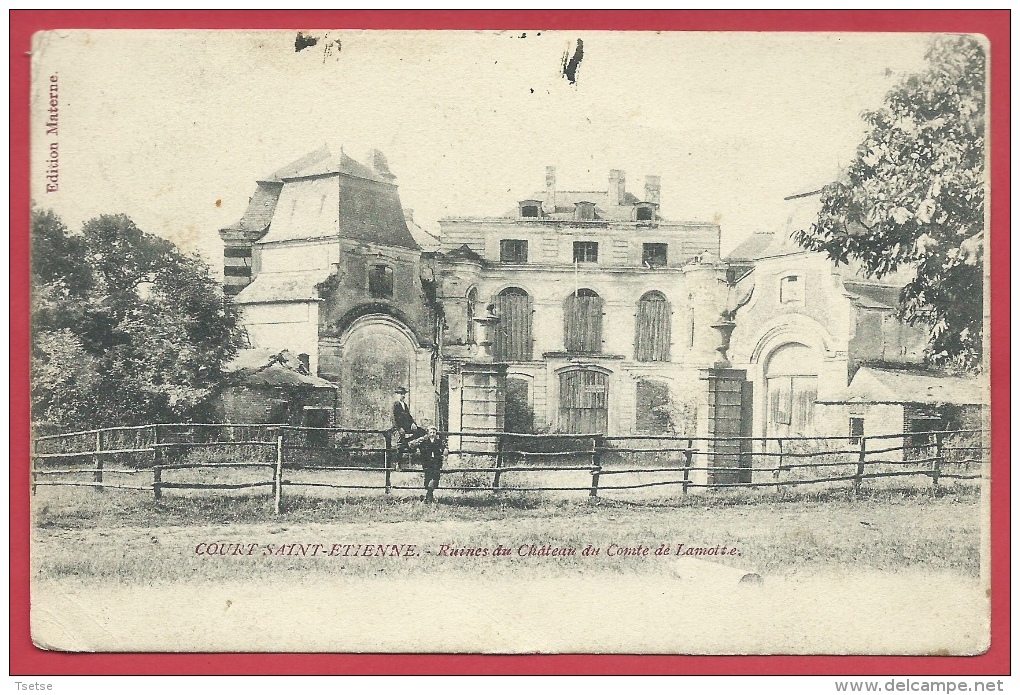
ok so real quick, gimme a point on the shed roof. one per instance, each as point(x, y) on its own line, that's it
point(263, 367)
point(873, 295)
point(751, 248)
point(875, 385)
point(283, 287)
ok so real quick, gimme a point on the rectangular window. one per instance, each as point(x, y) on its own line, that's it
point(791, 290)
point(653, 255)
point(380, 281)
point(856, 429)
point(644, 214)
point(586, 252)
point(513, 251)
point(529, 211)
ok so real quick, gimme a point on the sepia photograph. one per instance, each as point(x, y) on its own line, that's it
point(510, 342)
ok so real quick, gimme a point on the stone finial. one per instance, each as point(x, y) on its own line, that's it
point(725, 328)
point(485, 332)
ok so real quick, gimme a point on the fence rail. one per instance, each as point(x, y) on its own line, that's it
point(684, 463)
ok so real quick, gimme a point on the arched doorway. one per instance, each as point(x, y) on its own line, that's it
point(791, 388)
point(584, 401)
point(377, 357)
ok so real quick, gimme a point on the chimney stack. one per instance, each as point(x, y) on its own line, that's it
point(617, 186)
point(550, 189)
point(377, 160)
point(653, 188)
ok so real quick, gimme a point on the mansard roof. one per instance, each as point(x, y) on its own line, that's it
point(364, 202)
point(322, 162)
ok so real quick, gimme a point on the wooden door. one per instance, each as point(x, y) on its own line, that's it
point(584, 402)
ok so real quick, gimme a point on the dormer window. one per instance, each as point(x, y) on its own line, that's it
point(644, 212)
point(530, 208)
point(791, 290)
point(584, 210)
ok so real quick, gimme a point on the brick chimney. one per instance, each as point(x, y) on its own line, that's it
point(550, 189)
point(653, 188)
point(617, 186)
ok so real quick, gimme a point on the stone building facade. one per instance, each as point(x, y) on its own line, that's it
point(804, 326)
point(605, 307)
point(610, 316)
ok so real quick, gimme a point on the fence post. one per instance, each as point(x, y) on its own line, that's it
point(278, 473)
point(499, 462)
point(937, 467)
point(387, 443)
point(596, 466)
point(861, 457)
point(688, 462)
point(157, 483)
point(779, 463)
point(97, 476)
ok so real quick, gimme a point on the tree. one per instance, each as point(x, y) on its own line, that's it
point(126, 328)
point(915, 198)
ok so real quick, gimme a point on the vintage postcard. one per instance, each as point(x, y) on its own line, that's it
point(510, 342)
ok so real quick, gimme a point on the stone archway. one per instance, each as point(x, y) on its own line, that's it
point(377, 354)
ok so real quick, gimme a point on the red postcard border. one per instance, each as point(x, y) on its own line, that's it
point(26, 659)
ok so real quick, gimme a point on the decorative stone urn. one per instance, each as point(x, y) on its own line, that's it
point(486, 331)
point(725, 328)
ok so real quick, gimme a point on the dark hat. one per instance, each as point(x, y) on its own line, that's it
point(400, 389)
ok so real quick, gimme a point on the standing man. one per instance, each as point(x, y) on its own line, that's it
point(431, 450)
point(404, 425)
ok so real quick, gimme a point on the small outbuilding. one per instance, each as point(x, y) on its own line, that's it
point(907, 402)
point(264, 386)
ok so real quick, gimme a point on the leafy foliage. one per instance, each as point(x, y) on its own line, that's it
point(915, 198)
point(126, 328)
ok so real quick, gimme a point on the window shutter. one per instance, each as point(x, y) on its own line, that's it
point(583, 322)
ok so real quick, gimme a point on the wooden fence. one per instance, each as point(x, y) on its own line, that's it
point(367, 460)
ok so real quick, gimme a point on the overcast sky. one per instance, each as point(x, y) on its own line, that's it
point(173, 128)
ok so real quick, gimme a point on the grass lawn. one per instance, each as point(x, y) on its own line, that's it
point(126, 537)
point(891, 572)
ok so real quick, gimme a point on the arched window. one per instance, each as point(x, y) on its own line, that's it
point(582, 318)
point(651, 342)
point(512, 342)
point(472, 299)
